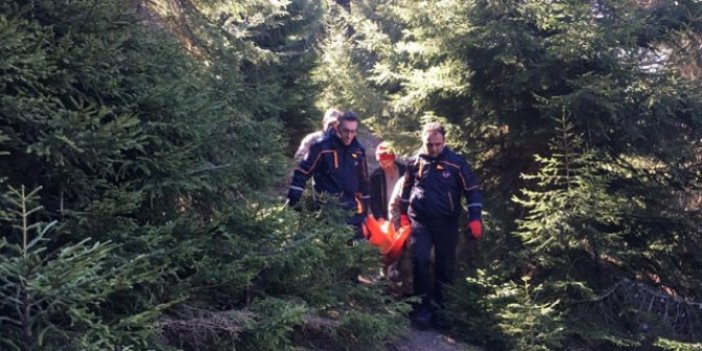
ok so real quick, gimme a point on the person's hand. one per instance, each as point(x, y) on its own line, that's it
point(404, 220)
point(476, 229)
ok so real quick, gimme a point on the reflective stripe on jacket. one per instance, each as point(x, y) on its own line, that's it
point(337, 169)
point(433, 187)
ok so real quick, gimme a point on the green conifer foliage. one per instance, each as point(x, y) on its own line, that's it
point(573, 214)
point(51, 295)
point(268, 46)
point(340, 72)
point(572, 229)
point(130, 142)
point(168, 155)
point(499, 70)
point(498, 73)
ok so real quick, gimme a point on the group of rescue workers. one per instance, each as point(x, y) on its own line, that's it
point(425, 195)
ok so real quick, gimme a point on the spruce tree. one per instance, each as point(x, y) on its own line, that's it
point(130, 143)
point(572, 229)
point(52, 294)
point(169, 154)
point(574, 214)
point(499, 72)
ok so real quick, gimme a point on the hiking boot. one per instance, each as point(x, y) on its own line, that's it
point(422, 319)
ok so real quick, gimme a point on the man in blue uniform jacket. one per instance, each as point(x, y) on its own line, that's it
point(338, 164)
point(434, 183)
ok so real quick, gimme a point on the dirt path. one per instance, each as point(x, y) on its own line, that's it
point(430, 340)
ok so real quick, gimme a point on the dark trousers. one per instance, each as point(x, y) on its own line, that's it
point(442, 234)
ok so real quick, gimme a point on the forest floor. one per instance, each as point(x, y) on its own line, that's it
point(422, 340)
point(429, 340)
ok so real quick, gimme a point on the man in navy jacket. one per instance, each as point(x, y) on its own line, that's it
point(338, 164)
point(434, 183)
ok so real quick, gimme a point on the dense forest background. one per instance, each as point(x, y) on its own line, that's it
point(144, 146)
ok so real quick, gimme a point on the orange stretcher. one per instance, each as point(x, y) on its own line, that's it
point(382, 234)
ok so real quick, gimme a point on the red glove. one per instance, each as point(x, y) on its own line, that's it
point(404, 220)
point(476, 228)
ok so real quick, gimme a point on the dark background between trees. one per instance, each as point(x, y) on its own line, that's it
point(143, 146)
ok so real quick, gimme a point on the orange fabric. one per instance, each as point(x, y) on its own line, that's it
point(382, 234)
point(395, 251)
point(404, 220)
